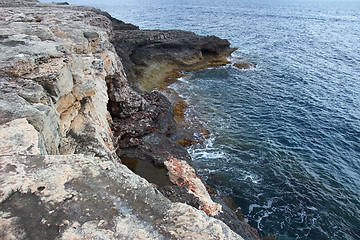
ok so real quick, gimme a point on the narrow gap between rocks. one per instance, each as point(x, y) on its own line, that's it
point(141, 123)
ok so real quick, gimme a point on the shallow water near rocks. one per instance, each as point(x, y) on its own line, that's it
point(285, 138)
point(145, 169)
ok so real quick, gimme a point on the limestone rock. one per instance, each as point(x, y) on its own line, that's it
point(150, 56)
point(60, 175)
point(123, 101)
point(156, 148)
point(78, 196)
point(157, 116)
point(54, 62)
point(19, 137)
point(181, 173)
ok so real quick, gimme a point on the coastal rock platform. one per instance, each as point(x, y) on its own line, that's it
point(69, 113)
point(151, 56)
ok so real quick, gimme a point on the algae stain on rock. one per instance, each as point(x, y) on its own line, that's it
point(32, 216)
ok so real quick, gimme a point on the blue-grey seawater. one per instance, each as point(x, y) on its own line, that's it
point(285, 141)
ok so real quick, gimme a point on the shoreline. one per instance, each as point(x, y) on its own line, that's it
point(159, 49)
point(66, 107)
point(171, 62)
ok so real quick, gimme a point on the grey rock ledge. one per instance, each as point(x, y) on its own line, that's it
point(60, 175)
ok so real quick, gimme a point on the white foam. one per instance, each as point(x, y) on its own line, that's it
point(252, 206)
point(209, 143)
point(207, 154)
point(183, 79)
point(265, 215)
point(252, 178)
point(312, 208)
point(267, 206)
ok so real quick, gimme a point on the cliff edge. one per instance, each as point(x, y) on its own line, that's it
point(67, 112)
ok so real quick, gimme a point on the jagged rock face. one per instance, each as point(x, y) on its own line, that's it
point(181, 173)
point(150, 56)
point(19, 137)
point(60, 176)
point(77, 196)
point(155, 116)
point(123, 101)
point(53, 67)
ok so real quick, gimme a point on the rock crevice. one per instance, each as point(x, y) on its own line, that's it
point(67, 112)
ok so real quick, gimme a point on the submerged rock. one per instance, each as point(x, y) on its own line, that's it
point(244, 65)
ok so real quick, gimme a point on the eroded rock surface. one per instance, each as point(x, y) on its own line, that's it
point(78, 196)
point(60, 176)
point(150, 56)
point(52, 72)
point(181, 173)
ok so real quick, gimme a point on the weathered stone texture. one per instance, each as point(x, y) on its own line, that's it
point(53, 67)
point(181, 173)
point(19, 137)
point(77, 196)
point(59, 175)
point(151, 56)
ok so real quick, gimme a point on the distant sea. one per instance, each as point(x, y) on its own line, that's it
point(285, 142)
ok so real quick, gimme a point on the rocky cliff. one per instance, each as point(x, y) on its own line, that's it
point(67, 112)
point(150, 56)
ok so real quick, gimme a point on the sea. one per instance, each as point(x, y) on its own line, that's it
point(285, 135)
